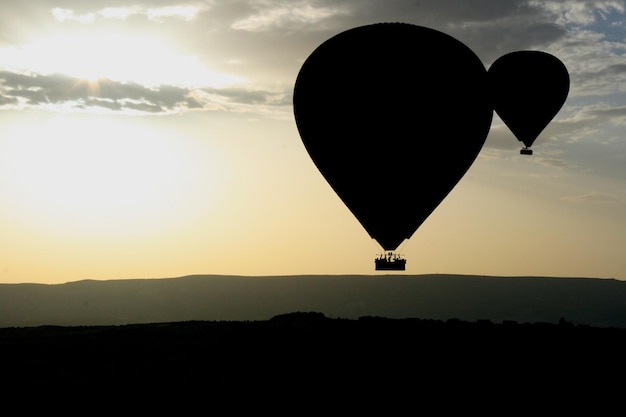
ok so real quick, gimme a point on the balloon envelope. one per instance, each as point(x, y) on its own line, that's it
point(528, 89)
point(392, 115)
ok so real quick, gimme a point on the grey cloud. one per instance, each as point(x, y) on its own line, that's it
point(596, 70)
point(81, 7)
point(491, 21)
point(490, 42)
point(616, 69)
point(589, 118)
point(8, 101)
point(581, 125)
point(275, 13)
point(37, 89)
point(285, 34)
point(592, 133)
point(32, 90)
point(193, 104)
point(608, 112)
point(572, 128)
point(452, 11)
point(490, 27)
point(592, 197)
point(248, 96)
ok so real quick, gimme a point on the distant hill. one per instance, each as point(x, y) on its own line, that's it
point(585, 301)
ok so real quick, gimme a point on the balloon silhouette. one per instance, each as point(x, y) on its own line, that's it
point(528, 89)
point(392, 115)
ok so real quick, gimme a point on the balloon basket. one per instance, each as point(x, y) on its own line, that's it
point(390, 262)
point(526, 151)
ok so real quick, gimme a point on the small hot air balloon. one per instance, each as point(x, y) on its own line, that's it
point(528, 89)
point(392, 115)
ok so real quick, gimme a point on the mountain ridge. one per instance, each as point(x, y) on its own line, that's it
point(598, 302)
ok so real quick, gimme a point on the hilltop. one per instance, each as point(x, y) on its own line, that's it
point(585, 301)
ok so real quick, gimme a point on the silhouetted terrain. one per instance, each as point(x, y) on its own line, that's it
point(357, 341)
point(592, 302)
point(305, 356)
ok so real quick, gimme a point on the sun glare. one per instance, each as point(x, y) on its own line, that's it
point(105, 178)
point(145, 60)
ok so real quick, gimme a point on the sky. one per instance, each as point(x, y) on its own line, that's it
point(154, 139)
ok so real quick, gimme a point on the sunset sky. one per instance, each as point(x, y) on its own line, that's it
point(156, 138)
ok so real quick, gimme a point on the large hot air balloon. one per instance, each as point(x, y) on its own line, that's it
point(528, 89)
point(392, 115)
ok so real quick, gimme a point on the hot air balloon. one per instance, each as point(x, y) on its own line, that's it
point(528, 89)
point(392, 115)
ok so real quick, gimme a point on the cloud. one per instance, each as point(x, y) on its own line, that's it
point(63, 15)
point(593, 198)
point(579, 137)
point(65, 93)
point(579, 12)
point(158, 14)
point(596, 66)
point(272, 15)
point(489, 27)
point(270, 39)
point(589, 118)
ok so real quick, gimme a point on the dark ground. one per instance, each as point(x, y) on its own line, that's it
point(308, 353)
